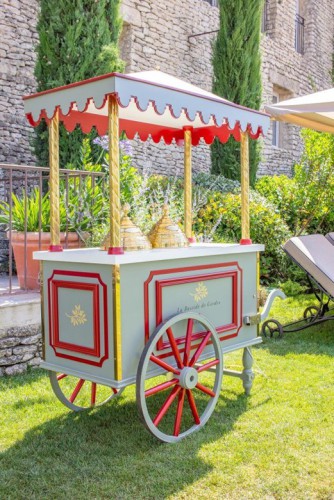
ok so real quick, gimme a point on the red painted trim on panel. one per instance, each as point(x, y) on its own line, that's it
point(81, 360)
point(187, 269)
point(57, 343)
point(98, 362)
point(191, 279)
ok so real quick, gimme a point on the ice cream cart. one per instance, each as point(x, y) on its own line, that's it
point(160, 318)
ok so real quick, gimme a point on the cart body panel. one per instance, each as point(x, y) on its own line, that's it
point(79, 316)
point(78, 313)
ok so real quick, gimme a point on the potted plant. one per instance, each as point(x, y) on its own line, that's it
point(28, 225)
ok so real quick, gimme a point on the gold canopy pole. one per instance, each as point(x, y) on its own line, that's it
point(115, 228)
point(187, 185)
point(245, 231)
point(54, 183)
point(114, 188)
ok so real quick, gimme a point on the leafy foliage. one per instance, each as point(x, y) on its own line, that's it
point(278, 208)
point(306, 201)
point(83, 202)
point(281, 192)
point(237, 77)
point(216, 183)
point(315, 183)
point(27, 212)
point(220, 221)
point(292, 288)
point(77, 40)
point(31, 212)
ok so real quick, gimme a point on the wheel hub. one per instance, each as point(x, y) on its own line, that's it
point(188, 378)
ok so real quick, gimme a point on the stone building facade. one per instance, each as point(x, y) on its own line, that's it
point(18, 37)
point(156, 36)
point(297, 59)
point(161, 35)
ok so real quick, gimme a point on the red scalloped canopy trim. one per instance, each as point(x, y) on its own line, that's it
point(146, 130)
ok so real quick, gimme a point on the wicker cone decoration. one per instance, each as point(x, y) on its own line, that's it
point(131, 236)
point(167, 234)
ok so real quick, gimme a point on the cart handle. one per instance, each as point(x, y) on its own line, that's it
point(255, 319)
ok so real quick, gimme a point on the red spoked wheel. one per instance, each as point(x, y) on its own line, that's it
point(79, 394)
point(174, 408)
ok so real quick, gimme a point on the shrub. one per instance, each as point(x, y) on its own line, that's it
point(281, 192)
point(76, 40)
point(154, 191)
point(79, 210)
point(220, 221)
point(27, 212)
point(306, 201)
point(315, 182)
point(236, 65)
point(292, 288)
point(216, 183)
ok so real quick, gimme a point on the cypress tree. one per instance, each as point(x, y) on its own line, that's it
point(78, 39)
point(237, 76)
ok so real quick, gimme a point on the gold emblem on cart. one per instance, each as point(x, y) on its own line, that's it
point(78, 316)
point(201, 292)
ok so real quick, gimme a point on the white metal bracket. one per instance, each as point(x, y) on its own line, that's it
point(255, 319)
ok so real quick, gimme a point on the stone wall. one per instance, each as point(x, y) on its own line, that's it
point(4, 251)
point(289, 74)
point(155, 36)
point(20, 347)
point(18, 38)
point(20, 333)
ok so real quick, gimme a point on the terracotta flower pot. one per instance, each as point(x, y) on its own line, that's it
point(23, 249)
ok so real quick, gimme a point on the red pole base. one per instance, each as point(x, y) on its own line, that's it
point(245, 241)
point(192, 239)
point(115, 251)
point(55, 248)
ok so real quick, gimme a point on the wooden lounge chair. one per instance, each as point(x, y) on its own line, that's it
point(314, 254)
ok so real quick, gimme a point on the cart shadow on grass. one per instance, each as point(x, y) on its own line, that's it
point(107, 451)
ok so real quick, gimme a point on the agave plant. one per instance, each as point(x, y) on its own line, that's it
point(27, 213)
point(31, 212)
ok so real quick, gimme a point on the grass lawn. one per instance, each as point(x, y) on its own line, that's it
point(276, 444)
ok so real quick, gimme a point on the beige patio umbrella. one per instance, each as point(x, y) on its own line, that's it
point(314, 111)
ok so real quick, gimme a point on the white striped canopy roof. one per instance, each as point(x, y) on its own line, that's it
point(151, 103)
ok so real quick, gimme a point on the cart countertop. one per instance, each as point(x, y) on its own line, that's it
point(97, 256)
